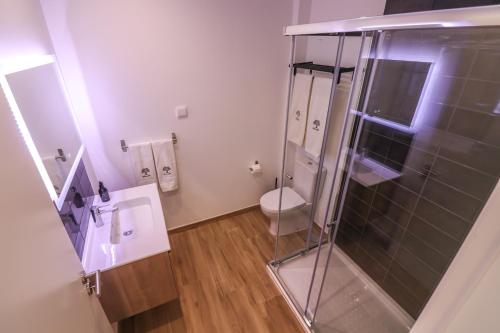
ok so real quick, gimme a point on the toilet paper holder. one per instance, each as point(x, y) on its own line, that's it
point(255, 168)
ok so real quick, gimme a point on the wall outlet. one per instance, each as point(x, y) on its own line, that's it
point(181, 111)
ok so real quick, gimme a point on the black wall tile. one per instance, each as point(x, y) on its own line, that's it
point(457, 202)
point(371, 242)
point(477, 155)
point(400, 195)
point(434, 237)
point(482, 68)
point(362, 209)
point(405, 6)
point(447, 4)
point(370, 265)
point(476, 125)
point(346, 242)
point(428, 139)
point(411, 179)
point(437, 115)
point(364, 194)
point(76, 219)
point(449, 164)
point(390, 210)
point(425, 253)
point(480, 96)
point(418, 269)
point(354, 219)
point(403, 296)
point(464, 178)
point(442, 219)
point(410, 287)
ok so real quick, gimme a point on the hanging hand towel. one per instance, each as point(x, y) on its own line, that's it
point(166, 168)
point(318, 110)
point(297, 119)
point(143, 165)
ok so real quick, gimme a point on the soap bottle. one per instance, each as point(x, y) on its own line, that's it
point(103, 192)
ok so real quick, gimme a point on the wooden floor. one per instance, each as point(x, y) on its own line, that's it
point(222, 281)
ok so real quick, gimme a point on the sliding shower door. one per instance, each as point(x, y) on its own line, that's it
point(298, 265)
point(421, 156)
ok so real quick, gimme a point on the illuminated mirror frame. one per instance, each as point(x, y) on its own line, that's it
point(21, 64)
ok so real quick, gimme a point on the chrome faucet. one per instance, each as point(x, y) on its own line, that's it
point(97, 212)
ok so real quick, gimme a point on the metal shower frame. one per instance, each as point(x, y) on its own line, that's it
point(487, 16)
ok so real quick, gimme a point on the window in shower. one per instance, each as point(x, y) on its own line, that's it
point(396, 90)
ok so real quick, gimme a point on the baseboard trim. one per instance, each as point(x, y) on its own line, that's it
point(211, 219)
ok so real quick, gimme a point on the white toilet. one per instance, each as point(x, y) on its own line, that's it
point(294, 212)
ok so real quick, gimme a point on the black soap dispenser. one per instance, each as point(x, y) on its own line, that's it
point(103, 192)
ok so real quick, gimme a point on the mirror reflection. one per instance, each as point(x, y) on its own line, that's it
point(40, 96)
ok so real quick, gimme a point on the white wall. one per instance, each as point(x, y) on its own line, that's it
point(22, 30)
point(322, 49)
point(39, 283)
point(480, 312)
point(226, 60)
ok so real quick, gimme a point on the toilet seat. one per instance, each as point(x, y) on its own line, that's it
point(290, 200)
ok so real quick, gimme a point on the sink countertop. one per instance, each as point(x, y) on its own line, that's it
point(151, 233)
point(377, 172)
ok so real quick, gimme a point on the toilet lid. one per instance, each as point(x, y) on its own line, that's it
point(270, 200)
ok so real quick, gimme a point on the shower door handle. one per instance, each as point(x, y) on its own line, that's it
point(331, 224)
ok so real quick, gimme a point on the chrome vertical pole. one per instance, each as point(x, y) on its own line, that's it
point(288, 105)
point(344, 190)
point(336, 75)
point(341, 144)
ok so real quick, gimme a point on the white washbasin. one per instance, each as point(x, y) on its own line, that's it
point(131, 219)
point(369, 172)
point(135, 230)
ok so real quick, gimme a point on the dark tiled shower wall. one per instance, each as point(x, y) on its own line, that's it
point(385, 144)
point(76, 219)
point(404, 233)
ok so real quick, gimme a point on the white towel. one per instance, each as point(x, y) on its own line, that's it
point(297, 118)
point(166, 168)
point(143, 165)
point(318, 110)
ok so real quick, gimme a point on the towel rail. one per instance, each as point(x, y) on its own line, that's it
point(124, 145)
point(320, 68)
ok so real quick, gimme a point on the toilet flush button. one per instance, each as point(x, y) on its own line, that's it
point(181, 111)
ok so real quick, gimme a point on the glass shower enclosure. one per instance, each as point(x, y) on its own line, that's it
point(408, 155)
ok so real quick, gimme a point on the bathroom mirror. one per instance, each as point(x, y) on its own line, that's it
point(37, 97)
point(396, 90)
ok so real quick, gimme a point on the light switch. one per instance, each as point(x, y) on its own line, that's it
point(181, 111)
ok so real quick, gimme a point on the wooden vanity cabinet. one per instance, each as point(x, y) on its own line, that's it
point(136, 287)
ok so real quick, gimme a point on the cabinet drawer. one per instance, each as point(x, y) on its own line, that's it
point(136, 287)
